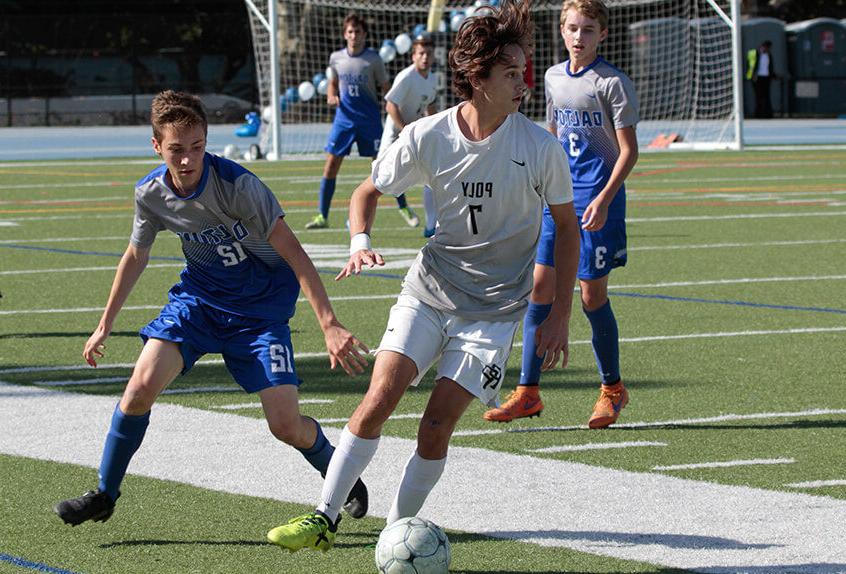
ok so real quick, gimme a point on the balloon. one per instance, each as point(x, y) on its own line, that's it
point(292, 95)
point(387, 52)
point(267, 114)
point(318, 77)
point(418, 29)
point(306, 91)
point(402, 43)
point(456, 20)
point(469, 11)
point(323, 87)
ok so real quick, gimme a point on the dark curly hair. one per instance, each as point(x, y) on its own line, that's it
point(481, 40)
point(179, 109)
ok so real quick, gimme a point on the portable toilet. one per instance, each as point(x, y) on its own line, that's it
point(754, 32)
point(711, 55)
point(817, 61)
point(660, 67)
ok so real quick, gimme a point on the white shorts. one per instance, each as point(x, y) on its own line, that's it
point(471, 353)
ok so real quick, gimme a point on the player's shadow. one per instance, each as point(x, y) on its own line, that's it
point(790, 425)
point(680, 541)
point(160, 542)
point(76, 334)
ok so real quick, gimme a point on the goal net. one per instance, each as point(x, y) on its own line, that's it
point(680, 54)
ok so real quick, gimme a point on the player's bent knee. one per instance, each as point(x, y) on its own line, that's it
point(285, 431)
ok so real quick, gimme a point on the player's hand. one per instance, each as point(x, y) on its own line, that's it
point(345, 349)
point(595, 216)
point(552, 338)
point(333, 100)
point(95, 347)
point(358, 261)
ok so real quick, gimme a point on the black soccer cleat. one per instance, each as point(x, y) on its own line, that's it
point(356, 504)
point(93, 505)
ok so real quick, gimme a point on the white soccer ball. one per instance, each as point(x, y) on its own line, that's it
point(413, 546)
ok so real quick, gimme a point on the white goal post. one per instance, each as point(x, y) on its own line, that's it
point(684, 57)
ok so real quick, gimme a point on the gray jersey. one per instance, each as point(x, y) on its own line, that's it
point(359, 78)
point(586, 109)
point(489, 196)
point(412, 94)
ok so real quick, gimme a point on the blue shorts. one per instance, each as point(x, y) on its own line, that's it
point(257, 352)
point(599, 251)
point(344, 133)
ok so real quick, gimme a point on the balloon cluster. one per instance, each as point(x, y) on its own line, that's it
point(388, 51)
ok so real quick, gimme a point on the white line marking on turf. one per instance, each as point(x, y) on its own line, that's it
point(738, 281)
point(816, 484)
point(245, 406)
point(653, 518)
point(233, 388)
point(392, 417)
point(670, 423)
point(594, 446)
point(80, 382)
point(672, 218)
point(8, 224)
point(726, 464)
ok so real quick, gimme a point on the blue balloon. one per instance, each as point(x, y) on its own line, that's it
point(389, 43)
point(283, 103)
point(253, 118)
point(247, 131)
point(418, 29)
point(292, 95)
point(319, 77)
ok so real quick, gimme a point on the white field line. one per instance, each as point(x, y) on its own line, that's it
point(737, 281)
point(726, 464)
point(8, 224)
point(594, 446)
point(392, 417)
point(245, 406)
point(654, 518)
point(809, 330)
point(80, 382)
point(670, 423)
point(233, 388)
point(25, 202)
point(816, 484)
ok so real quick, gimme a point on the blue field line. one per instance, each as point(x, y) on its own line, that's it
point(730, 302)
point(22, 563)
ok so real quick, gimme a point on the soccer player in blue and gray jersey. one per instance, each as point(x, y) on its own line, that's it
point(243, 272)
point(357, 72)
point(592, 109)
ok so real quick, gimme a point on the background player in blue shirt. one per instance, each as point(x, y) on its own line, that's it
point(242, 276)
point(592, 109)
point(357, 74)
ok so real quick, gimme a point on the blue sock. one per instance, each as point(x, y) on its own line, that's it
point(606, 342)
point(320, 453)
point(402, 202)
point(124, 438)
point(327, 192)
point(531, 370)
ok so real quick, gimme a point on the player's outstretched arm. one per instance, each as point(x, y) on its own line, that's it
point(129, 269)
point(552, 336)
point(343, 347)
point(362, 213)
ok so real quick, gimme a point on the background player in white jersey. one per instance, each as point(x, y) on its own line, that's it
point(243, 272)
point(411, 97)
point(592, 108)
point(358, 73)
point(491, 170)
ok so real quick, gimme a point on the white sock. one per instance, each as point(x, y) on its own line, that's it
point(429, 206)
point(351, 457)
point(418, 479)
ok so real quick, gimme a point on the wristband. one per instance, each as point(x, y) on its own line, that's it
point(358, 242)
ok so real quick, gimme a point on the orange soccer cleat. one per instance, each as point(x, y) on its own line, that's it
point(524, 401)
point(612, 399)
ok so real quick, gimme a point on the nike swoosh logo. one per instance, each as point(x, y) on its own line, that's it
point(592, 96)
point(520, 163)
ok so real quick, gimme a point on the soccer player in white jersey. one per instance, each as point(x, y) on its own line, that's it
point(491, 170)
point(411, 97)
point(592, 109)
point(243, 271)
point(357, 74)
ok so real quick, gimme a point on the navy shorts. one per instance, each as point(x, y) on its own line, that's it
point(257, 352)
point(599, 251)
point(344, 133)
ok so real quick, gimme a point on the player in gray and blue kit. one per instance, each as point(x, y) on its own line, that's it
point(357, 74)
point(243, 272)
point(592, 109)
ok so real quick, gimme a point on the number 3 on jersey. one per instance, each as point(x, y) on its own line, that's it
point(574, 145)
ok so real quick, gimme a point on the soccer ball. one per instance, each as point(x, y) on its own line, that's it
point(413, 546)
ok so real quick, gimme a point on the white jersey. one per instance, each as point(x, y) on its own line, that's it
point(489, 197)
point(412, 94)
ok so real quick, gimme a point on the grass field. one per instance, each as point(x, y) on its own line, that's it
point(731, 313)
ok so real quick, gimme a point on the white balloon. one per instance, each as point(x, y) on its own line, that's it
point(469, 11)
point(323, 87)
point(387, 53)
point(267, 114)
point(456, 21)
point(403, 43)
point(306, 91)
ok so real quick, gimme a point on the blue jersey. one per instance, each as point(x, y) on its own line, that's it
point(223, 226)
point(359, 78)
point(585, 109)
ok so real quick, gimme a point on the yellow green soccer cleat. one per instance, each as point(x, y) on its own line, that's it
point(409, 216)
point(319, 222)
point(313, 530)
